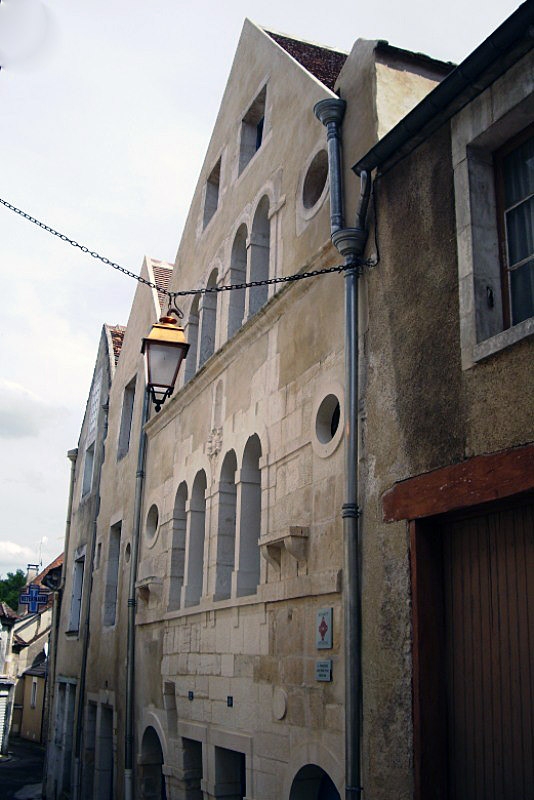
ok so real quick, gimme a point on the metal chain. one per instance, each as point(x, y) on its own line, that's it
point(206, 290)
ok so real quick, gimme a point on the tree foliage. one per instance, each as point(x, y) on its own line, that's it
point(11, 586)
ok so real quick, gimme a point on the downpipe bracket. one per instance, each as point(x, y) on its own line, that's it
point(350, 511)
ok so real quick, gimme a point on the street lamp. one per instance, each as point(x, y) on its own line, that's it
point(164, 349)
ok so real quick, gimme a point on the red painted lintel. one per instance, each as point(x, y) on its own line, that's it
point(480, 479)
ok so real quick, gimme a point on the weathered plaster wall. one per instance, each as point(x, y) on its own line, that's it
point(421, 411)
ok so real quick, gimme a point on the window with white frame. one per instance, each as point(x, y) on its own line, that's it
point(514, 174)
point(492, 150)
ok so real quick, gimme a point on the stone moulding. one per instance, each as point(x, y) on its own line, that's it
point(151, 584)
point(295, 542)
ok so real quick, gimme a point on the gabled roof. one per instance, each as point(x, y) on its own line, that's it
point(7, 614)
point(39, 669)
point(322, 62)
point(116, 333)
point(57, 562)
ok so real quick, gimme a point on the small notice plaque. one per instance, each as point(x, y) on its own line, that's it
point(323, 670)
point(323, 629)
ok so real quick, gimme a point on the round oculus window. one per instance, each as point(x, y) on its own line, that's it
point(327, 419)
point(152, 521)
point(315, 180)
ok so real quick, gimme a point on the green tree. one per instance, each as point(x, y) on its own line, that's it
point(11, 586)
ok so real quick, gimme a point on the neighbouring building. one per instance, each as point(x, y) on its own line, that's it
point(214, 543)
point(448, 429)
point(70, 635)
point(29, 645)
point(34, 684)
point(8, 617)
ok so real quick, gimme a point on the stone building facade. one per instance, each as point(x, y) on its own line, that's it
point(229, 527)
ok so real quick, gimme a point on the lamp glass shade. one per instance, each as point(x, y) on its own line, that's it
point(163, 362)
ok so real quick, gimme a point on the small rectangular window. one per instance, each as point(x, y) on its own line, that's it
point(98, 555)
point(87, 481)
point(211, 200)
point(33, 699)
point(112, 576)
point(76, 599)
point(94, 404)
point(252, 128)
point(514, 172)
point(126, 419)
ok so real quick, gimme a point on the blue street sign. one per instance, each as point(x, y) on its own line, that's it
point(33, 599)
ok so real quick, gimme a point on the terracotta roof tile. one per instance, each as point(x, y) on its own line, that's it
point(57, 562)
point(322, 62)
point(117, 336)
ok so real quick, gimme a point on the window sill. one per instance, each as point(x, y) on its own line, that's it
point(73, 634)
point(503, 339)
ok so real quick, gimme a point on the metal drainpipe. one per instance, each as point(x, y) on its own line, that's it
point(350, 242)
point(72, 455)
point(130, 657)
point(90, 556)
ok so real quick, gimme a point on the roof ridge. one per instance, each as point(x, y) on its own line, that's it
point(298, 39)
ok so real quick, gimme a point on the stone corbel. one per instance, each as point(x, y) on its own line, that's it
point(152, 584)
point(295, 543)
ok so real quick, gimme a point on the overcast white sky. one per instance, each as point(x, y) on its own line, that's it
point(106, 109)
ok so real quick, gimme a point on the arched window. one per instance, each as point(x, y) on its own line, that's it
point(194, 547)
point(226, 524)
point(191, 335)
point(208, 321)
point(247, 569)
point(179, 523)
point(259, 257)
point(238, 274)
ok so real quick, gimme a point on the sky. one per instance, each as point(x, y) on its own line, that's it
point(106, 110)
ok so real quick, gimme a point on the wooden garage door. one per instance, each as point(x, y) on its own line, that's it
point(488, 600)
